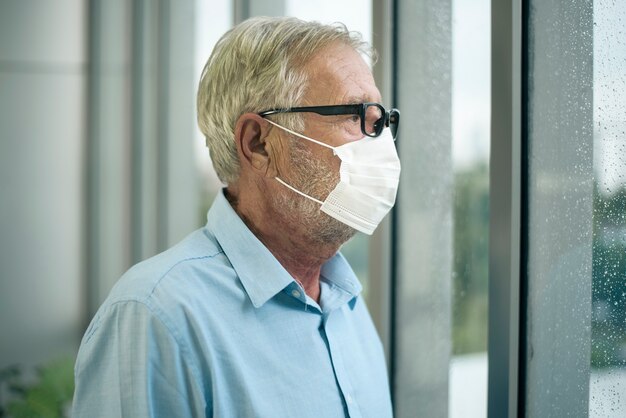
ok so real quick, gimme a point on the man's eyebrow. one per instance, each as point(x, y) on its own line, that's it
point(358, 100)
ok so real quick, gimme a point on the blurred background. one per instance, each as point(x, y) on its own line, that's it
point(102, 166)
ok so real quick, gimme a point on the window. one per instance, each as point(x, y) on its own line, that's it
point(607, 393)
point(575, 314)
point(470, 162)
point(423, 241)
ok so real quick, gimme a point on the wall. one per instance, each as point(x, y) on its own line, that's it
point(42, 112)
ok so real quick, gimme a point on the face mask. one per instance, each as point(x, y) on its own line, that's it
point(368, 181)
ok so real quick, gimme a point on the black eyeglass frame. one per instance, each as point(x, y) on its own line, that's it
point(389, 118)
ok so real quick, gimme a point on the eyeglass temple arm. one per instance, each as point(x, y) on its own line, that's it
point(320, 110)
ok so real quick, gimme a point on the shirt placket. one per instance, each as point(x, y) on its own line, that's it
point(332, 326)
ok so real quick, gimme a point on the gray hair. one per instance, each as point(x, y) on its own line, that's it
point(259, 65)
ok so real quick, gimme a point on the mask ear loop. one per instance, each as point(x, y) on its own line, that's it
point(302, 136)
point(278, 179)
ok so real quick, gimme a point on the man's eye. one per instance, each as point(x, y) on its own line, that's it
point(354, 118)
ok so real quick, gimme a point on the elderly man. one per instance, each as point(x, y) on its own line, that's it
point(257, 314)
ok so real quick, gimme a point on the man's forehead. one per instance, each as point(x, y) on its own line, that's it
point(339, 75)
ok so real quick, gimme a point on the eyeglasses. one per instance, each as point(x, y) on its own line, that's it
point(373, 117)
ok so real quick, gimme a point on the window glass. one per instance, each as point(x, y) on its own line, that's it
point(470, 148)
point(557, 216)
point(423, 239)
point(607, 397)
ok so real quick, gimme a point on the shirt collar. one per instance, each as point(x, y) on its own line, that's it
point(261, 275)
point(337, 272)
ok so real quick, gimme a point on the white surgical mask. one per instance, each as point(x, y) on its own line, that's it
point(368, 181)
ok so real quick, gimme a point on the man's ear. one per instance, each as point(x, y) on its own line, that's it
point(256, 146)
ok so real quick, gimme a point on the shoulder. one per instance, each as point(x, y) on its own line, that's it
point(198, 254)
point(165, 293)
point(174, 281)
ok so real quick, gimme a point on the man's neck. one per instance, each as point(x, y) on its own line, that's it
point(302, 258)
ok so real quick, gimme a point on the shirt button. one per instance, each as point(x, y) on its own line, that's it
point(349, 399)
point(295, 293)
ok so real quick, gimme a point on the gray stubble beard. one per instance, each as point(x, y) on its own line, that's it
point(317, 178)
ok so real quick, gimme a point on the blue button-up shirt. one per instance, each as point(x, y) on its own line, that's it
point(216, 327)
